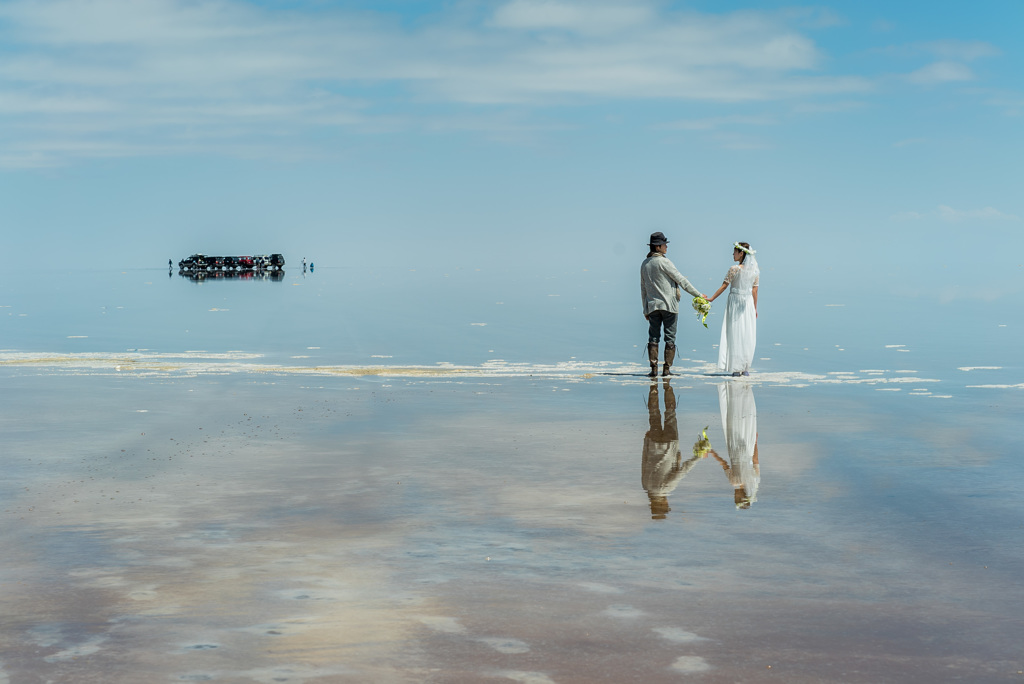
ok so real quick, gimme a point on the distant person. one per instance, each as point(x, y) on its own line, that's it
point(739, 326)
point(660, 281)
point(170, 264)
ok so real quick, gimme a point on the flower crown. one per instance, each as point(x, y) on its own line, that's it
point(743, 249)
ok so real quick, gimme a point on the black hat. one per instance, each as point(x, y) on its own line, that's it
point(658, 239)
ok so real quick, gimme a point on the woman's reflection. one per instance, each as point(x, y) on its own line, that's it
point(739, 422)
point(663, 465)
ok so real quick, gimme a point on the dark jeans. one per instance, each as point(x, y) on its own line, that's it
point(657, 319)
point(669, 432)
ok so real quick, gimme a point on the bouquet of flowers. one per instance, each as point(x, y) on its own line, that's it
point(703, 308)
point(703, 445)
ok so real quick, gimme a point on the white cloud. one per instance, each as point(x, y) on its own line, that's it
point(713, 123)
point(943, 50)
point(725, 58)
point(721, 130)
point(960, 50)
point(828, 107)
point(941, 72)
point(124, 77)
point(815, 17)
point(950, 59)
point(26, 103)
point(1011, 103)
point(986, 214)
point(593, 17)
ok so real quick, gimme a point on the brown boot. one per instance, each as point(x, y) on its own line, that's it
point(670, 356)
point(652, 356)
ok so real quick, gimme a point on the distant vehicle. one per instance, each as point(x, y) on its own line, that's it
point(192, 263)
point(271, 262)
point(230, 264)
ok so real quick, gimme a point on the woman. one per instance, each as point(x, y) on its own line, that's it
point(739, 329)
point(739, 422)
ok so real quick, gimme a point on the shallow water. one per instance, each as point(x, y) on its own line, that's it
point(255, 481)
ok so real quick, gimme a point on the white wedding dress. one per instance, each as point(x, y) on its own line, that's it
point(739, 423)
point(739, 329)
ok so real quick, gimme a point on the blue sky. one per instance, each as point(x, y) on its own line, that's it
point(843, 140)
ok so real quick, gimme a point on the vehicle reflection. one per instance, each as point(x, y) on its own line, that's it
point(204, 276)
point(662, 466)
point(739, 422)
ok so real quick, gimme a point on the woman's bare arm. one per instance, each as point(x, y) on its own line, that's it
point(720, 291)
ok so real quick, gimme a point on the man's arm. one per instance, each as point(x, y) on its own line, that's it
point(681, 280)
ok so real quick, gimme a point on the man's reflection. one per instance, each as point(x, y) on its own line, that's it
point(663, 465)
point(739, 422)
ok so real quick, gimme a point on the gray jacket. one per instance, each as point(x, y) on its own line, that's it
point(660, 281)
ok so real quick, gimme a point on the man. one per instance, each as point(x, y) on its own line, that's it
point(660, 281)
point(662, 465)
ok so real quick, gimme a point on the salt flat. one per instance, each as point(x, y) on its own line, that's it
point(225, 512)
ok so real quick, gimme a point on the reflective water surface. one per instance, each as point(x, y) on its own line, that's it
point(295, 498)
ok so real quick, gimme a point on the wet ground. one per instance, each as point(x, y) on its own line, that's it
point(219, 512)
point(272, 527)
